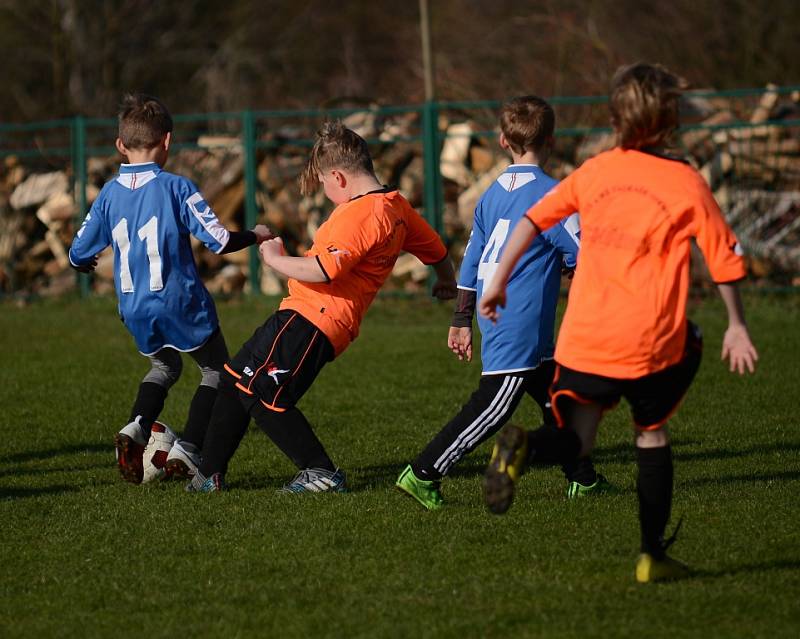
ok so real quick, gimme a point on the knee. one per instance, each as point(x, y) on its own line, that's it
point(164, 373)
point(654, 438)
point(209, 377)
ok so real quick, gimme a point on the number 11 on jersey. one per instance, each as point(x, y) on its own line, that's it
point(148, 233)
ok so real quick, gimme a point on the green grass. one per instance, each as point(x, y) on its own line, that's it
point(85, 555)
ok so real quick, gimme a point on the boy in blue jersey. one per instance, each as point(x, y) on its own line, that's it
point(517, 354)
point(148, 215)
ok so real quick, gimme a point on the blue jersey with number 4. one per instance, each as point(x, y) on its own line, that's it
point(523, 336)
point(147, 215)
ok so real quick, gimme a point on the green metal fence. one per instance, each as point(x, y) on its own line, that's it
point(69, 144)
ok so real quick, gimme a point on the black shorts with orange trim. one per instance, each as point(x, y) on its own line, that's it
point(652, 398)
point(278, 364)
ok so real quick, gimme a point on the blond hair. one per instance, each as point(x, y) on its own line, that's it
point(336, 147)
point(644, 105)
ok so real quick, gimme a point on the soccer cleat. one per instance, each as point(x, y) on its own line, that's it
point(424, 491)
point(129, 444)
point(180, 462)
point(600, 485)
point(200, 484)
point(649, 569)
point(505, 468)
point(156, 452)
point(317, 480)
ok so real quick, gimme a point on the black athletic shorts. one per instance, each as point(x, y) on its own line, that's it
point(653, 398)
point(278, 364)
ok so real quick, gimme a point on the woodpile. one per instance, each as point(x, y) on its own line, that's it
point(753, 169)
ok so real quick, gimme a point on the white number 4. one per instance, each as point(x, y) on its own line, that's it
point(149, 235)
point(490, 257)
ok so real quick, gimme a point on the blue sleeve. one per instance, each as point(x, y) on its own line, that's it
point(201, 221)
point(566, 238)
point(468, 273)
point(92, 237)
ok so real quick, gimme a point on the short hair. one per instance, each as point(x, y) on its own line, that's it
point(336, 147)
point(143, 121)
point(527, 122)
point(644, 104)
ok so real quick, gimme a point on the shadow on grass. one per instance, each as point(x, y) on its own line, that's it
point(737, 479)
point(13, 494)
point(766, 566)
point(39, 455)
point(21, 471)
point(625, 452)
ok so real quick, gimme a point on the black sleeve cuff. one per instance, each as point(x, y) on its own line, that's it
point(465, 308)
point(322, 268)
point(237, 240)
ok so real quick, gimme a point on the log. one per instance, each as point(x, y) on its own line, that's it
point(37, 188)
point(454, 154)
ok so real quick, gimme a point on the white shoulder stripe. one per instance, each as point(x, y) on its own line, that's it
point(512, 181)
point(208, 219)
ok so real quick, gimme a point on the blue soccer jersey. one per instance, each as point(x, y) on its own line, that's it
point(147, 215)
point(523, 336)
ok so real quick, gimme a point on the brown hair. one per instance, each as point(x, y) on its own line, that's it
point(143, 121)
point(527, 122)
point(336, 147)
point(644, 105)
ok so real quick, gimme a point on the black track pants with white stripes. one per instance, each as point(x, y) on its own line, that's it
point(486, 412)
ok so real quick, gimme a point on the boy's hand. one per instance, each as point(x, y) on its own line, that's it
point(271, 248)
point(490, 300)
point(444, 289)
point(262, 233)
point(87, 268)
point(739, 350)
point(459, 340)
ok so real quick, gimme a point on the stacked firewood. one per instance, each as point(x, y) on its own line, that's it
point(753, 170)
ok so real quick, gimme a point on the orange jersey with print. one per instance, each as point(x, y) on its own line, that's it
point(357, 248)
point(626, 315)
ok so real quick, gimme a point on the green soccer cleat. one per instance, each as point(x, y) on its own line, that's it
point(424, 491)
point(649, 569)
point(600, 485)
point(505, 468)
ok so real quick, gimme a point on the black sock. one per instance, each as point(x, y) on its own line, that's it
point(654, 486)
point(148, 405)
point(226, 428)
point(427, 474)
point(199, 415)
point(550, 444)
point(291, 432)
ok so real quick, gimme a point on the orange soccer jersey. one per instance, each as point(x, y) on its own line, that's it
point(626, 315)
point(357, 248)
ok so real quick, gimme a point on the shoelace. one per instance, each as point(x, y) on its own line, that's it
point(674, 536)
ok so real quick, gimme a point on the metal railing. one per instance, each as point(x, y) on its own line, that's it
point(70, 143)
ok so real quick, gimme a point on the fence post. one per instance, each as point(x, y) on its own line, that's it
point(250, 206)
point(79, 179)
point(432, 191)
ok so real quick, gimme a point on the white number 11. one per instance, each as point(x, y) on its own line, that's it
point(149, 235)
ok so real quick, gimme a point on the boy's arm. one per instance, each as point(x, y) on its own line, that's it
point(304, 269)
point(90, 239)
point(736, 345)
point(426, 245)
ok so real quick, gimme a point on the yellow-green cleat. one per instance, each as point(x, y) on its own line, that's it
point(424, 491)
point(600, 485)
point(505, 468)
point(650, 569)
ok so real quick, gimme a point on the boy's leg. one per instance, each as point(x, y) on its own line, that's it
point(653, 399)
point(210, 359)
point(130, 441)
point(290, 431)
point(487, 410)
point(227, 426)
point(550, 444)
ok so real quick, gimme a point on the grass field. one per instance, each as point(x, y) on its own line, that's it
point(85, 555)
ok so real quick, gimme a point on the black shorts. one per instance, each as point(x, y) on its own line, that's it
point(653, 398)
point(278, 364)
